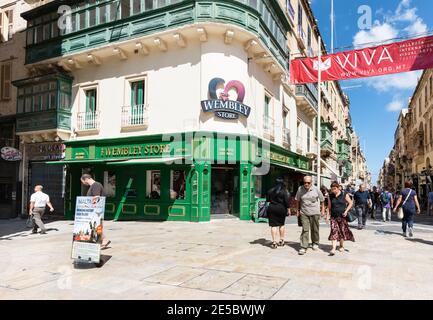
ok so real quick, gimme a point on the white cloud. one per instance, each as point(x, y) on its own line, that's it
point(403, 21)
point(395, 105)
point(398, 81)
point(378, 34)
point(417, 28)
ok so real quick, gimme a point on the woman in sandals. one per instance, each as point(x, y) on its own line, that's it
point(278, 210)
point(339, 205)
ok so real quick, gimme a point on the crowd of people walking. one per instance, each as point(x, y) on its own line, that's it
point(338, 206)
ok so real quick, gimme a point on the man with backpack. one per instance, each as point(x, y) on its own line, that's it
point(387, 201)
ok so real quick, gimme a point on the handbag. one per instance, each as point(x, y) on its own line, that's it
point(351, 216)
point(29, 222)
point(263, 211)
point(400, 212)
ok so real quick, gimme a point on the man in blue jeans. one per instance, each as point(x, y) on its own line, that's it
point(362, 203)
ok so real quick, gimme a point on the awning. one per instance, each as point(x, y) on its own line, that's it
point(146, 161)
point(75, 161)
point(118, 162)
point(294, 168)
point(329, 167)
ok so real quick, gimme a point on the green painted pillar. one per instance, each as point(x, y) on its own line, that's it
point(201, 192)
point(246, 190)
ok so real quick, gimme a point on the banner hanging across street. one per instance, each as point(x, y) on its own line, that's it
point(404, 56)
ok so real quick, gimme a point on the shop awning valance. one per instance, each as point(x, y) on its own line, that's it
point(146, 161)
point(311, 173)
point(119, 162)
point(62, 162)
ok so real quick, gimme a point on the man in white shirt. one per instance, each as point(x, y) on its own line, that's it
point(38, 202)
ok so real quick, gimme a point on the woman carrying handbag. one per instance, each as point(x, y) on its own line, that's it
point(339, 206)
point(409, 208)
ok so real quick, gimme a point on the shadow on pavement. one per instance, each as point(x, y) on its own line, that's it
point(294, 245)
point(421, 241)
point(14, 228)
point(84, 265)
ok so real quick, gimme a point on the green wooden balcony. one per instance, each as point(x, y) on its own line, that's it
point(103, 22)
point(343, 150)
point(43, 120)
point(44, 103)
point(326, 139)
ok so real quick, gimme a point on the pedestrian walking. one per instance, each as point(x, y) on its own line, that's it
point(387, 201)
point(325, 193)
point(38, 203)
point(278, 210)
point(310, 206)
point(375, 199)
point(340, 203)
point(430, 203)
point(409, 201)
point(362, 202)
point(95, 190)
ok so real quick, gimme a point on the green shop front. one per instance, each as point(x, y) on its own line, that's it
point(191, 176)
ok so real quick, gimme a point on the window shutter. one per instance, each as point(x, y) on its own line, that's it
point(4, 27)
point(6, 75)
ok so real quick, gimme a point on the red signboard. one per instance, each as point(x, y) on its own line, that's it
point(409, 55)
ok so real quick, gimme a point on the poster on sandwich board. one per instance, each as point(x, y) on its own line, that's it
point(88, 229)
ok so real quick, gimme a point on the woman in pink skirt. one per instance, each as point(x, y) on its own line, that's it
point(339, 205)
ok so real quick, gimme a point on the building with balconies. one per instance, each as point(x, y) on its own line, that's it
point(12, 57)
point(181, 103)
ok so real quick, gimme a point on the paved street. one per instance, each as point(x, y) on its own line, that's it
point(223, 259)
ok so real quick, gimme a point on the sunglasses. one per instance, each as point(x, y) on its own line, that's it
point(307, 182)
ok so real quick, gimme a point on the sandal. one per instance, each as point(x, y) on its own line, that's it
point(332, 253)
point(341, 249)
point(274, 245)
point(281, 243)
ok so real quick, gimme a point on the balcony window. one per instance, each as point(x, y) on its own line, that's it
point(136, 113)
point(136, 6)
point(148, 4)
point(90, 100)
point(40, 94)
point(114, 9)
point(92, 17)
point(103, 14)
point(125, 8)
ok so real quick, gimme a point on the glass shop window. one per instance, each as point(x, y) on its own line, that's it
point(177, 184)
point(110, 184)
point(153, 184)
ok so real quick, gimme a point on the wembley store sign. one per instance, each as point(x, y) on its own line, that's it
point(219, 101)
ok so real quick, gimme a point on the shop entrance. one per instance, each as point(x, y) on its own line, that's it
point(225, 190)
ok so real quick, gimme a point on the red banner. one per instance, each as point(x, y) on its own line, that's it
point(410, 55)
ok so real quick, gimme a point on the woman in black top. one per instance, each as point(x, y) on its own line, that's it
point(339, 205)
point(278, 210)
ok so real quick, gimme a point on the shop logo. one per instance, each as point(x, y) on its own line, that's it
point(10, 154)
point(219, 102)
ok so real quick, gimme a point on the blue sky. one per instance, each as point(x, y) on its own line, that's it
point(376, 102)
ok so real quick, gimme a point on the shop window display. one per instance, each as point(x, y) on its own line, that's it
point(177, 185)
point(110, 184)
point(153, 184)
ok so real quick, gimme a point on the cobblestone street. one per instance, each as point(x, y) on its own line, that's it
point(223, 259)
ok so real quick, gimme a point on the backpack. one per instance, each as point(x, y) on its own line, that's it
point(385, 197)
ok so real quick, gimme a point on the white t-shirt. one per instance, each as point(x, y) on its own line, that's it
point(40, 199)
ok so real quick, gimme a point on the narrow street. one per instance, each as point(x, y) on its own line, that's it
point(222, 259)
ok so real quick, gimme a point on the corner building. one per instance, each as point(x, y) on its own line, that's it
point(132, 81)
